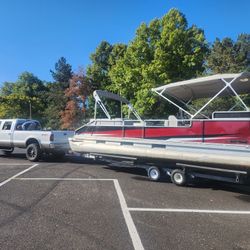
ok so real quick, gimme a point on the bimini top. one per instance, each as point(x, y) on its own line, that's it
point(206, 87)
point(102, 93)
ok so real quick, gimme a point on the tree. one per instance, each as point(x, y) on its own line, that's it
point(242, 48)
point(7, 88)
point(98, 70)
point(17, 98)
point(228, 56)
point(77, 93)
point(56, 99)
point(63, 72)
point(56, 102)
point(103, 59)
point(18, 106)
point(166, 50)
point(27, 84)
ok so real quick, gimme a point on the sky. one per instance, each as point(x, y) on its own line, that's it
point(35, 34)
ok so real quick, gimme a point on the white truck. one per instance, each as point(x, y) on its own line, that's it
point(28, 134)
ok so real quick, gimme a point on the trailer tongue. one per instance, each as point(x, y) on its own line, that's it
point(204, 145)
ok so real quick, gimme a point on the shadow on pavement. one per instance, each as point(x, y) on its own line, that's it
point(140, 174)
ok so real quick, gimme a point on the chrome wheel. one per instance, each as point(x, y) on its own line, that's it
point(178, 177)
point(154, 174)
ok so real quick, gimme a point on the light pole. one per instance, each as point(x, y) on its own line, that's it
point(30, 110)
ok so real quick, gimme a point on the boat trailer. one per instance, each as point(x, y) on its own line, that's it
point(220, 162)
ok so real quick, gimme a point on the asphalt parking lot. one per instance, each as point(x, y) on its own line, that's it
point(82, 204)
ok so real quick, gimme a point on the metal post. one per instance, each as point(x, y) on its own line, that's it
point(30, 109)
point(227, 84)
point(95, 110)
point(164, 97)
point(236, 94)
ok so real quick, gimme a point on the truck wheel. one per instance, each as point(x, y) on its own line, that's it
point(154, 174)
point(8, 151)
point(33, 152)
point(178, 177)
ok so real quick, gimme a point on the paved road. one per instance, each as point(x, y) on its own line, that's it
point(80, 204)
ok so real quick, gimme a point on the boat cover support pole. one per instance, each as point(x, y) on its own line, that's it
point(227, 84)
point(236, 94)
point(95, 110)
point(176, 105)
point(188, 106)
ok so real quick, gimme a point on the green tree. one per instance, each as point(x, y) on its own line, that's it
point(62, 73)
point(98, 70)
point(55, 96)
point(7, 88)
point(27, 84)
point(103, 59)
point(18, 106)
point(18, 97)
point(228, 56)
point(56, 102)
point(166, 50)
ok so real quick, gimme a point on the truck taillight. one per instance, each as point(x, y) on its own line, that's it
point(51, 137)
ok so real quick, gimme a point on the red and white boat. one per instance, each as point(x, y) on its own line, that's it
point(214, 147)
point(227, 127)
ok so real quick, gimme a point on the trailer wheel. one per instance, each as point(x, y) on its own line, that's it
point(178, 177)
point(33, 152)
point(154, 174)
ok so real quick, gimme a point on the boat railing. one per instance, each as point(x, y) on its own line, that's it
point(171, 122)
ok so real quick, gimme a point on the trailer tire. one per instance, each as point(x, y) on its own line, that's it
point(178, 177)
point(33, 152)
point(154, 174)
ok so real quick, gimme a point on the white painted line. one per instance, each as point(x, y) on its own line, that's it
point(127, 216)
point(125, 209)
point(18, 174)
point(62, 179)
point(14, 164)
point(172, 210)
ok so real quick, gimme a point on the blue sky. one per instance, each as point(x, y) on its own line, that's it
point(34, 34)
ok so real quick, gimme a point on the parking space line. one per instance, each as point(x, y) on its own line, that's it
point(14, 164)
point(172, 210)
point(128, 218)
point(126, 213)
point(18, 174)
point(62, 179)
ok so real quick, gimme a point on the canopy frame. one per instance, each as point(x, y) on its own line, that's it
point(163, 91)
point(100, 93)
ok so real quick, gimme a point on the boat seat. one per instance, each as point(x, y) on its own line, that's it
point(172, 121)
point(166, 123)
